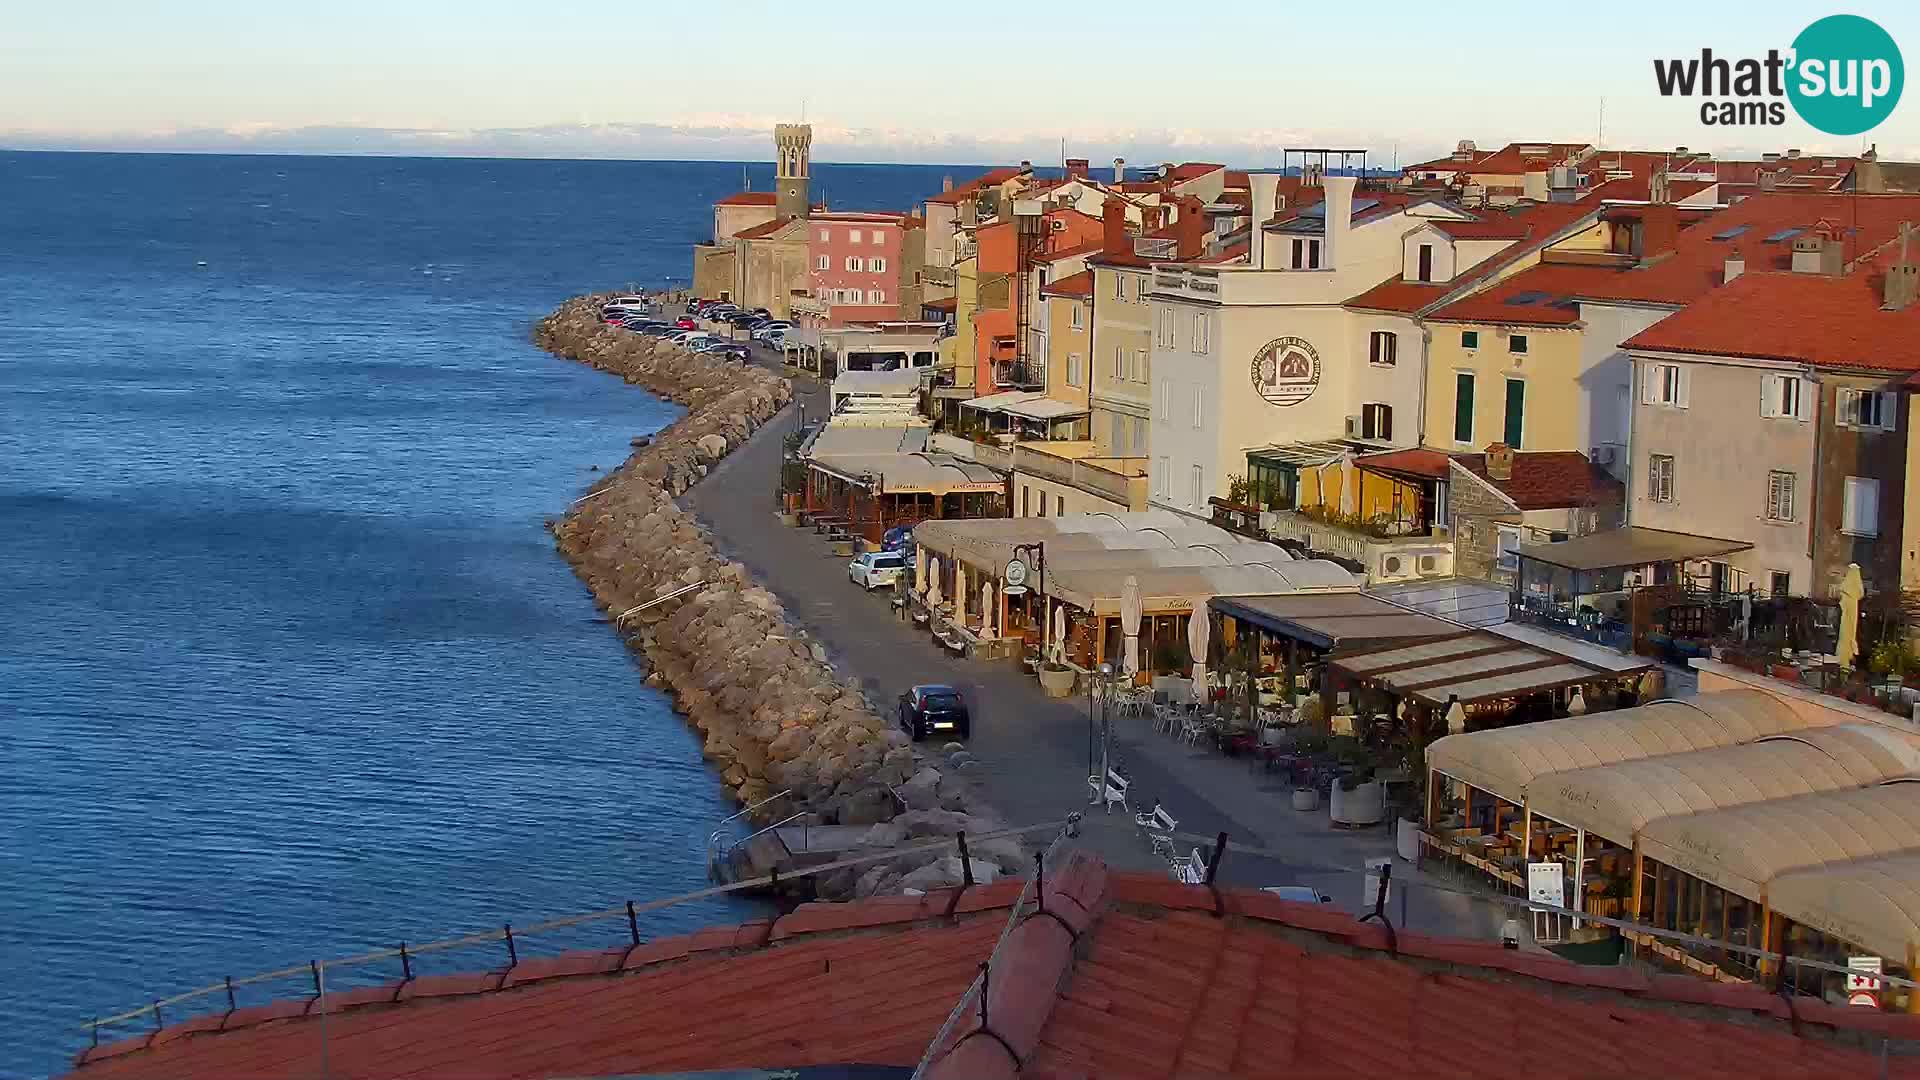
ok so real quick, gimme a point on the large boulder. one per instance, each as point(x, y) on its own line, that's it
point(922, 790)
point(943, 823)
point(948, 872)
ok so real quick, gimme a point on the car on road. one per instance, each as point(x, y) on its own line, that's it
point(933, 709)
point(876, 568)
point(766, 329)
point(686, 322)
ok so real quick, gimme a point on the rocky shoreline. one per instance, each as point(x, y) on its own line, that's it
point(773, 713)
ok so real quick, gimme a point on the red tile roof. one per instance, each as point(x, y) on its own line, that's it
point(764, 229)
point(1418, 461)
point(1157, 985)
point(1545, 293)
point(1508, 160)
point(1087, 248)
point(1532, 226)
point(1192, 170)
point(748, 198)
point(1639, 188)
point(947, 303)
point(1830, 321)
point(1549, 479)
point(1080, 284)
point(1698, 263)
point(991, 178)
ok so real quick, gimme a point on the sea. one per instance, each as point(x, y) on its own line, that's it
point(289, 667)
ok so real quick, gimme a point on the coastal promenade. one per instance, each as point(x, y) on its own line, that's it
point(1032, 752)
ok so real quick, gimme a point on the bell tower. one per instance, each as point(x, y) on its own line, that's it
point(793, 150)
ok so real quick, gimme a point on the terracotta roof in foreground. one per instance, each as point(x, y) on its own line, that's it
point(1128, 976)
point(1829, 321)
point(1548, 479)
point(1080, 284)
point(991, 178)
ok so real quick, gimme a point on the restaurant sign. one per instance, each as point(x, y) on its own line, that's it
point(1862, 985)
point(1547, 883)
point(1286, 371)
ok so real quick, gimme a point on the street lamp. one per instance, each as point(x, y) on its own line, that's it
point(1038, 552)
point(1099, 792)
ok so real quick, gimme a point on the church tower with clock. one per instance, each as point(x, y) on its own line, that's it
point(793, 149)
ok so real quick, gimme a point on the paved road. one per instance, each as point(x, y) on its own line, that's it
point(1035, 751)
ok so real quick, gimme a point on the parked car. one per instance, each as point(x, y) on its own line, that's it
point(686, 322)
point(932, 709)
point(776, 340)
point(760, 332)
point(735, 352)
point(876, 568)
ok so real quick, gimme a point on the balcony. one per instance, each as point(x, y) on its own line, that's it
point(1116, 479)
point(1019, 375)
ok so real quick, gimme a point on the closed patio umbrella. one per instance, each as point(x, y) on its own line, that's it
point(933, 583)
point(987, 610)
point(1198, 627)
point(1060, 633)
point(1130, 623)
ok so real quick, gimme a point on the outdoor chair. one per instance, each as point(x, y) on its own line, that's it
point(1194, 729)
point(1159, 826)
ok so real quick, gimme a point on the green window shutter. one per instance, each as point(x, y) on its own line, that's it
point(1516, 411)
point(1463, 407)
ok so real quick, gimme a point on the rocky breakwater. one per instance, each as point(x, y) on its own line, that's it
point(773, 713)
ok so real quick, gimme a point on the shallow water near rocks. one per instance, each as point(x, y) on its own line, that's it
point(289, 668)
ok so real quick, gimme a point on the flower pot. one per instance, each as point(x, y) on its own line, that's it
point(843, 548)
point(1785, 672)
point(1306, 798)
point(1407, 839)
point(1057, 681)
point(1364, 805)
point(789, 519)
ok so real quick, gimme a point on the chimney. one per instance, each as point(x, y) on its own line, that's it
point(1793, 155)
point(1339, 220)
point(1903, 277)
point(1119, 170)
point(1076, 168)
point(1113, 228)
point(1190, 229)
point(1499, 461)
point(1463, 150)
point(1154, 216)
point(1534, 186)
point(1026, 166)
point(1817, 253)
point(1767, 180)
point(1166, 170)
point(946, 183)
point(1266, 194)
point(1679, 151)
point(1871, 153)
point(1770, 157)
point(1660, 188)
point(1736, 265)
point(1659, 230)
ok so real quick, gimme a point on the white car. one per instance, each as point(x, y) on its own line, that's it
point(876, 568)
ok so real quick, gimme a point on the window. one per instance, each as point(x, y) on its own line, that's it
point(1779, 582)
point(1043, 504)
point(1059, 505)
point(1660, 477)
point(1199, 408)
point(1516, 343)
point(1076, 317)
point(1139, 365)
point(1463, 407)
point(821, 263)
point(1376, 421)
point(1299, 255)
point(1166, 328)
point(1870, 409)
point(876, 296)
point(1197, 487)
point(1160, 477)
point(1516, 425)
point(1119, 362)
point(1165, 411)
point(1313, 254)
point(1664, 384)
point(1469, 339)
point(1119, 286)
point(1200, 342)
point(875, 235)
point(1073, 369)
point(1508, 546)
point(1117, 434)
point(823, 236)
point(1025, 510)
point(876, 265)
point(853, 263)
point(1782, 397)
point(1779, 496)
point(853, 236)
point(1383, 348)
point(1426, 262)
point(1860, 510)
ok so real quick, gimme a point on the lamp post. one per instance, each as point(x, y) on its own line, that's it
point(1038, 551)
point(1099, 791)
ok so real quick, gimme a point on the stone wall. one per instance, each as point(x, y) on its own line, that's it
point(773, 713)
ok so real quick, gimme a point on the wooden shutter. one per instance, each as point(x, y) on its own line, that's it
point(1516, 412)
point(1463, 407)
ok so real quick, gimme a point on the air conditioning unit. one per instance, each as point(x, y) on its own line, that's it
point(1057, 225)
point(1354, 427)
point(1391, 566)
point(1603, 455)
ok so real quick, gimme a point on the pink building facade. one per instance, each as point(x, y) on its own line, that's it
point(854, 262)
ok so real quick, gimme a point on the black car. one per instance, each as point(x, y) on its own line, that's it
point(934, 709)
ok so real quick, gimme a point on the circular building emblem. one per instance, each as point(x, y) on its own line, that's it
point(1286, 371)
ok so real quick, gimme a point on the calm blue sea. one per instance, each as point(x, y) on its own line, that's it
point(289, 668)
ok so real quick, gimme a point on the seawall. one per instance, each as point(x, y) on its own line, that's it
point(773, 714)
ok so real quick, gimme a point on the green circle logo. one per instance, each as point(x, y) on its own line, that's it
point(1847, 75)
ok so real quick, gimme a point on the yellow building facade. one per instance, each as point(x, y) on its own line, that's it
point(1482, 389)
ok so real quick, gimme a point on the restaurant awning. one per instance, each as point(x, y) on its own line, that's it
point(1472, 665)
point(1045, 408)
point(999, 402)
point(904, 474)
point(1872, 903)
point(1628, 547)
point(1616, 801)
point(987, 543)
point(1301, 454)
point(1743, 848)
point(1182, 588)
point(1327, 622)
point(1506, 760)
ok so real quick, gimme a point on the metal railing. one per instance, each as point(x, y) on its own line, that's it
point(718, 836)
point(628, 913)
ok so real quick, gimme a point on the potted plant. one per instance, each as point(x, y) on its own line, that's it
point(1358, 799)
point(1056, 679)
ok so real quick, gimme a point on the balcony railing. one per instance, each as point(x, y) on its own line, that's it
point(1019, 375)
point(1115, 479)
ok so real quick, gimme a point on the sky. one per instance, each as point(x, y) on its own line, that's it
point(887, 82)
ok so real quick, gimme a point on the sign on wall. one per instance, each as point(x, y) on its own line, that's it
point(1286, 371)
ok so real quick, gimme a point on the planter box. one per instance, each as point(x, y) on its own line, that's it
point(1364, 805)
point(1407, 840)
point(1785, 672)
point(1306, 799)
point(1057, 682)
point(843, 548)
point(789, 519)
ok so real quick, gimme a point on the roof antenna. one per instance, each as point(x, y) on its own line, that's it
point(1603, 122)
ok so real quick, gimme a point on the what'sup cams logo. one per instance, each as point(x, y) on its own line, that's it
point(1843, 75)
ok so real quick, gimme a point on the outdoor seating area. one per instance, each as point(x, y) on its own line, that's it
point(1736, 817)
